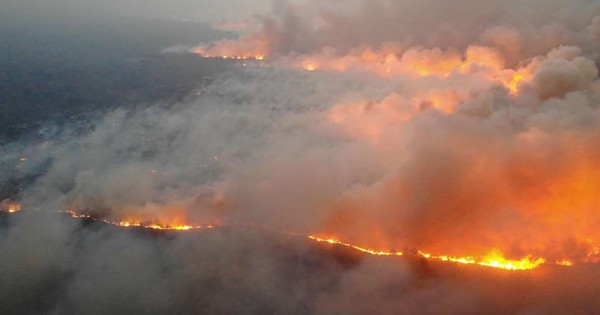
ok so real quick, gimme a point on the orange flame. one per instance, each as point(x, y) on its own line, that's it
point(358, 248)
point(494, 259)
point(309, 65)
point(565, 262)
point(10, 206)
point(150, 225)
point(230, 50)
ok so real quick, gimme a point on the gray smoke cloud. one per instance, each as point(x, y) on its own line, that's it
point(458, 162)
point(522, 30)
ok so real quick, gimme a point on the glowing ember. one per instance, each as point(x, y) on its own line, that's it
point(240, 56)
point(476, 61)
point(236, 57)
point(565, 262)
point(309, 66)
point(10, 206)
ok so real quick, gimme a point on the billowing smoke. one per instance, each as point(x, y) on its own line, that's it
point(462, 128)
point(485, 138)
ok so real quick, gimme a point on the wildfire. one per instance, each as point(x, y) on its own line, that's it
point(309, 65)
point(483, 62)
point(10, 206)
point(362, 249)
point(494, 259)
point(229, 55)
point(389, 61)
point(565, 262)
point(150, 225)
point(259, 58)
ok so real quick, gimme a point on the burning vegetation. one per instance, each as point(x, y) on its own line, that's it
point(495, 259)
point(463, 134)
point(477, 161)
point(10, 206)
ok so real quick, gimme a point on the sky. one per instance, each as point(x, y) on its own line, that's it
point(465, 129)
point(206, 11)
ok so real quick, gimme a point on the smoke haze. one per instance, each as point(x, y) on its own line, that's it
point(462, 128)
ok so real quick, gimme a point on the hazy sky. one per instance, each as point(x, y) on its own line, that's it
point(209, 11)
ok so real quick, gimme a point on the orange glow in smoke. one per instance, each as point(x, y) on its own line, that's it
point(310, 67)
point(10, 206)
point(546, 204)
point(554, 199)
point(481, 61)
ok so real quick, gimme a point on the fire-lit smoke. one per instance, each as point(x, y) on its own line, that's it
point(487, 142)
point(10, 206)
point(462, 131)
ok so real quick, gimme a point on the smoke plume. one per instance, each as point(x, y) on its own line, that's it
point(462, 128)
